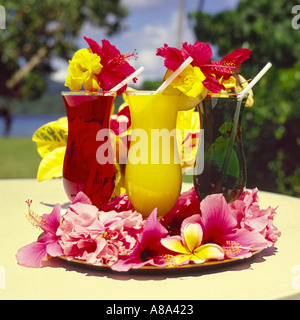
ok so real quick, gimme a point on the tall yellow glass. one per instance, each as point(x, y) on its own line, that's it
point(153, 170)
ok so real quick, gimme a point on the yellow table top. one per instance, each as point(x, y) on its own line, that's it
point(272, 274)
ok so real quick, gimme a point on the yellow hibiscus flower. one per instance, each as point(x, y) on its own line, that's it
point(190, 81)
point(83, 69)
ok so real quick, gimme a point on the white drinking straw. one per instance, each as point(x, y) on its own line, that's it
point(174, 75)
point(240, 97)
point(242, 94)
point(129, 78)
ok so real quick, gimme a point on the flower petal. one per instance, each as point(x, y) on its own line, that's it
point(82, 198)
point(32, 255)
point(184, 259)
point(236, 57)
point(201, 52)
point(210, 251)
point(153, 231)
point(91, 84)
point(83, 69)
point(52, 165)
point(54, 249)
point(173, 57)
point(174, 244)
point(192, 235)
point(196, 258)
point(51, 136)
point(50, 222)
point(217, 219)
point(242, 242)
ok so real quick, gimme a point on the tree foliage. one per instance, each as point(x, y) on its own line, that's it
point(271, 128)
point(36, 30)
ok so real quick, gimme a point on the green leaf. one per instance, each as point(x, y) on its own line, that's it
point(52, 165)
point(51, 136)
point(218, 149)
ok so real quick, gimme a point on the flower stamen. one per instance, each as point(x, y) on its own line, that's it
point(32, 217)
point(170, 260)
point(128, 55)
point(108, 235)
point(232, 247)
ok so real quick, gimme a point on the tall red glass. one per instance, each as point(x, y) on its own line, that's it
point(87, 114)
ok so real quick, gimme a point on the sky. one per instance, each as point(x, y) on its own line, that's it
point(149, 25)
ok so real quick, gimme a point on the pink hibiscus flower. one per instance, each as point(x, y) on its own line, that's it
point(221, 226)
point(80, 228)
point(148, 250)
point(34, 254)
point(98, 237)
point(115, 65)
point(249, 216)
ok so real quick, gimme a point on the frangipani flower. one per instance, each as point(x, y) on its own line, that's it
point(240, 227)
point(190, 244)
point(83, 69)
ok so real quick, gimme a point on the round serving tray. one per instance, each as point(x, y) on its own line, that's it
point(159, 270)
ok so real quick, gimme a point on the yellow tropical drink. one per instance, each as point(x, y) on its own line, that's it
point(153, 170)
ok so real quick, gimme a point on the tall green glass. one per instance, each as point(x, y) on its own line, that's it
point(220, 165)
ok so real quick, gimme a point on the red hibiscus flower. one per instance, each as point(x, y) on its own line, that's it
point(201, 53)
point(229, 64)
point(115, 65)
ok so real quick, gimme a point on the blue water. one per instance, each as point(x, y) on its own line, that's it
point(24, 125)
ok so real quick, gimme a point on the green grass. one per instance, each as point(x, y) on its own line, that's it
point(18, 158)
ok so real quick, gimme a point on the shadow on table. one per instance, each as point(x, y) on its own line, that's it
point(51, 205)
point(160, 274)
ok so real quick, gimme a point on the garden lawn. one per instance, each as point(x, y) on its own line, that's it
point(18, 158)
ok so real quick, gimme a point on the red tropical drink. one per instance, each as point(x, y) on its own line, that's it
point(87, 114)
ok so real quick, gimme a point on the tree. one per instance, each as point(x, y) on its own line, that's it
point(36, 30)
point(271, 127)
